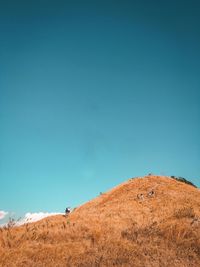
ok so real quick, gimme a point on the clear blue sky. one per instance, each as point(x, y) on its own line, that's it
point(95, 92)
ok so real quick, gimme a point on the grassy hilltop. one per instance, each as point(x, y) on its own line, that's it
point(150, 221)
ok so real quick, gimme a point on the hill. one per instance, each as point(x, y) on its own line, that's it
point(150, 221)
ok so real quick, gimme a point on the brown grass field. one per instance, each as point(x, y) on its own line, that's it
point(150, 221)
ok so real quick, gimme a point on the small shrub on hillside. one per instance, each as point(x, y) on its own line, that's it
point(11, 223)
point(186, 212)
point(183, 180)
point(139, 234)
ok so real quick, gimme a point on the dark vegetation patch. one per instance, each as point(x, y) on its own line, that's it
point(183, 180)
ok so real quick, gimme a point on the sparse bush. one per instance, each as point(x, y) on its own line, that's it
point(11, 223)
point(186, 212)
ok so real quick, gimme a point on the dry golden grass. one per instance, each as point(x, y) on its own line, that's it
point(127, 226)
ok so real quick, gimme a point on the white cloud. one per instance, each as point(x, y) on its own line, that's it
point(3, 214)
point(34, 217)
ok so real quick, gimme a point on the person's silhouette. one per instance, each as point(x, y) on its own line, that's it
point(67, 210)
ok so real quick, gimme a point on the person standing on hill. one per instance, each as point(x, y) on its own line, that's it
point(67, 210)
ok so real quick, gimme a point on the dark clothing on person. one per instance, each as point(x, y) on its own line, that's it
point(67, 210)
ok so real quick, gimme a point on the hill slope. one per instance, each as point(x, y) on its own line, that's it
point(148, 221)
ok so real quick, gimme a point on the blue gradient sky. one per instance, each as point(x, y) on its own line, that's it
point(95, 92)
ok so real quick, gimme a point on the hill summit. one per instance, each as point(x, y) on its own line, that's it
point(149, 221)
